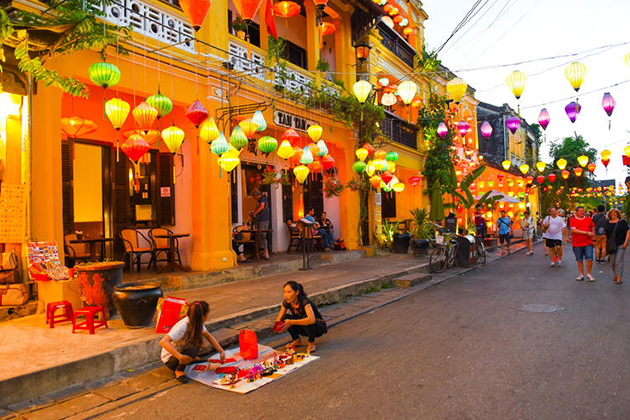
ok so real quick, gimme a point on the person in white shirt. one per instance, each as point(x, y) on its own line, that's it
point(555, 232)
point(528, 226)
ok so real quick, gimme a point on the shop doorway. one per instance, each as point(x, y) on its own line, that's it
point(313, 195)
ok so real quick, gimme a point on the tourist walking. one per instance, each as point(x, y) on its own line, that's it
point(504, 224)
point(600, 221)
point(582, 234)
point(616, 230)
point(480, 223)
point(555, 232)
point(529, 227)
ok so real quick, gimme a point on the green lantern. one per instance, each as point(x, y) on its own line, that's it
point(160, 102)
point(104, 74)
point(521, 194)
point(220, 145)
point(359, 167)
point(323, 149)
point(267, 144)
point(238, 139)
point(391, 157)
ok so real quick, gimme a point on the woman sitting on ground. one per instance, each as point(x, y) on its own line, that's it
point(304, 318)
point(182, 344)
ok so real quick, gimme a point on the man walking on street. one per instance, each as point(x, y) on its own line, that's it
point(600, 234)
point(583, 232)
point(505, 229)
point(555, 231)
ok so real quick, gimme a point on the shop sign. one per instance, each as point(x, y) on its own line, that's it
point(165, 191)
point(295, 122)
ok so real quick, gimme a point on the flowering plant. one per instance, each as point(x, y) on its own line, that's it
point(355, 184)
point(271, 176)
point(333, 187)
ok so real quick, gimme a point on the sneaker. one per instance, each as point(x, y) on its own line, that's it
point(553, 264)
point(559, 263)
point(579, 278)
point(590, 278)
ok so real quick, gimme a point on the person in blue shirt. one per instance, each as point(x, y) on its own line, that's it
point(323, 232)
point(504, 224)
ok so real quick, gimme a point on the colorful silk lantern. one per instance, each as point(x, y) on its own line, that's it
point(285, 151)
point(486, 129)
point(626, 151)
point(408, 31)
point(260, 121)
point(578, 171)
point(370, 169)
point(572, 110)
point(380, 154)
point(582, 160)
point(516, 82)
point(291, 135)
point(391, 157)
point(326, 28)
point(327, 162)
point(591, 167)
point(407, 91)
point(529, 179)
point(220, 145)
point(249, 127)
point(540, 179)
point(247, 9)
point(267, 144)
point(229, 160)
point(524, 168)
point(173, 136)
point(575, 73)
point(322, 148)
point(307, 156)
point(117, 110)
point(605, 154)
point(315, 166)
point(315, 132)
point(561, 163)
point(197, 113)
point(414, 180)
point(398, 187)
point(104, 74)
point(367, 146)
point(359, 166)
point(565, 174)
point(386, 177)
point(196, 11)
point(286, 9)
point(362, 90)
point(544, 118)
point(362, 154)
point(161, 103)
point(135, 147)
point(463, 127)
point(209, 131)
point(442, 130)
point(456, 89)
point(301, 172)
point(541, 166)
point(513, 122)
point(388, 99)
point(375, 181)
point(74, 126)
point(552, 177)
point(506, 164)
point(238, 139)
point(605, 162)
point(608, 103)
point(145, 115)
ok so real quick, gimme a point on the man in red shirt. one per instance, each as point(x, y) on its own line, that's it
point(582, 233)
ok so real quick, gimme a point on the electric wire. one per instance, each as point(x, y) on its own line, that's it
point(460, 25)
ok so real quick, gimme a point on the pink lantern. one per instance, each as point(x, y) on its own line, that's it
point(608, 103)
point(442, 130)
point(572, 110)
point(486, 129)
point(197, 113)
point(513, 122)
point(463, 127)
point(544, 118)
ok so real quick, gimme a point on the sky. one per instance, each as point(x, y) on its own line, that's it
point(506, 32)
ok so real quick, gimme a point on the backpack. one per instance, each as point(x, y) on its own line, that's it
point(600, 221)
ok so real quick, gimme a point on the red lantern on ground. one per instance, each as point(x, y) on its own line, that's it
point(286, 9)
point(196, 11)
point(552, 177)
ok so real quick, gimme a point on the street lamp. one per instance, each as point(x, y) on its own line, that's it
point(362, 52)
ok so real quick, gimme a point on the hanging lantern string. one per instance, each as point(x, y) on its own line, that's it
point(172, 91)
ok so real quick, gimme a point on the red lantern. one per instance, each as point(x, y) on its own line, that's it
point(291, 136)
point(397, 19)
point(605, 162)
point(552, 177)
point(315, 166)
point(540, 179)
point(196, 11)
point(565, 174)
point(591, 167)
point(500, 177)
point(286, 9)
point(529, 179)
point(369, 148)
point(327, 28)
point(414, 180)
point(196, 113)
point(386, 177)
point(328, 162)
point(247, 8)
point(578, 171)
point(135, 147)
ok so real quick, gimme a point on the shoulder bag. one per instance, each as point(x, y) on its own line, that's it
point(611, 241)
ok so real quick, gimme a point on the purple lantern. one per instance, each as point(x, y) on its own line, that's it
point(608, 103)
point(572, 110)
point(442, 130)
point(486, 129)
point(513, 122)
point(463, 127)
point(544, 118)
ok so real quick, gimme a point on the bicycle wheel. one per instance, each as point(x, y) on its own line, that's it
point(481, 253)
point(452, 255)
point(437, 260)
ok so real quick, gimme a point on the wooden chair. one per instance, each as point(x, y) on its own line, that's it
point(75, 252)
point(295, 235)
point(243, 238)
point(161, 245)
point(133, 250)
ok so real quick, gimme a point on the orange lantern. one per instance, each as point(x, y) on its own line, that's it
point(291, 135)
point(326, 28)
point(591, 167)
point(249, 127)
point(375, 180)
point(145, 116)
point(367, 146)
point(565, 174)
point(578, 171)
point(74, 126)
point(196, 11)
point(315, 166)
point(286, 9)
point(247, 9)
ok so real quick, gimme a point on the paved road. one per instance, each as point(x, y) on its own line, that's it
point(465, 349)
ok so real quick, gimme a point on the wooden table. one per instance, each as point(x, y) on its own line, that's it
point(172, 238)
point(256, 233)
point(92, 245)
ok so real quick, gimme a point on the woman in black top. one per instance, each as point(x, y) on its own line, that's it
point(304, 317)
point(622, 233)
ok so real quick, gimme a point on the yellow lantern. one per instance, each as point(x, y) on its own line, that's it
point(370, 169)
point(398, 187)
point(376, 181)
point(145, 115)
point(229, 160)
point(506, 164)
point(209, 131)
point(575, 73)
point(626, 150)
point(380, 154)
point(301, 172)
point(362, 154)
point(315, 132)
point(362, 90)
point(249, 127)
point(117, 110)
point(456, 88)
point(541, 166)
point(583, 161)
point(391, 167)
point(378, 165)
point(516, 82)
point(606, 153)
point(524, 169)
point(285, 151)
point(173, 137)
point(407, 90)
point(561, 164)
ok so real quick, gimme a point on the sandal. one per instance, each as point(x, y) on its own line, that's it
point(311, 348)
point(183, 379)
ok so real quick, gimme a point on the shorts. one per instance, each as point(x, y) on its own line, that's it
point(552, 243)
point(583, 252)
point(600, 242)
point(504, 237)
point(527, 235)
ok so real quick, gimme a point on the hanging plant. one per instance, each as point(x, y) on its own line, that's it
point(333, 187)
point(272, 177)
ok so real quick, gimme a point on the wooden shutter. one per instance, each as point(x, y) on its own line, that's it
point(388, 205)
point(166, 205)
point(120, 186)
point(67, 185)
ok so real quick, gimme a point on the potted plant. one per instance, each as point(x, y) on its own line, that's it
point(240, 28)
point(333, 187)
point(421, 230)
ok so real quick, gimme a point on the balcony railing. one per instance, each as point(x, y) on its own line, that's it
point(146, 19)
point(396, 44)
point(400, 131)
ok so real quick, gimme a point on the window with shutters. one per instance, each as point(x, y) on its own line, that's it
point(67, 187)
point(313, 196)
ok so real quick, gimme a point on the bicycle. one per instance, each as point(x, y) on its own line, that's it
point(479, 250)
point(444, 254)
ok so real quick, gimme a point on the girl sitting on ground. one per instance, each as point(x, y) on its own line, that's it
point(182, 344)
point(304, 318)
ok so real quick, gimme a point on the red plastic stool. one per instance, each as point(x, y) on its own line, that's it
point(90, 324)
point(51, 312)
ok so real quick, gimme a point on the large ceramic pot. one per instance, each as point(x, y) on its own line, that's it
point(401, 242)
point(97, 282)
point(136, 302)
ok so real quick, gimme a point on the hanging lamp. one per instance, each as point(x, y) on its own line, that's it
point(117, 110)
point(301, 172)
point(209, 131)
point(572, 110)
point(608, 103)
point(575, 74)
point(307, 156)
point(238, 139)
point(506, 164)
point(513, 122)
point(220, 145)
point(315, 132)
point(249, 127)
point(286, 9)
point(486, 130)
point(359, 166)
point(561, 163)
point(463, 127)
point(260, 121)
point(285, 151)
point(541, 166)
point(196, 11)
point(135, 147)
point(145, 115)
point(229, 160)
point(104, 75)
point(267, 144)
point(516, 82)
point(442, 130)
point(173, 137)
point(583, 160)
point(361, 154)
point(322, 148)
point(456, 89)
point(291, 135)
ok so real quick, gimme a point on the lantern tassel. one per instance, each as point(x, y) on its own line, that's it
point(249, 47)
point(117, 149)
point(197, 142)
point(174, 171)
